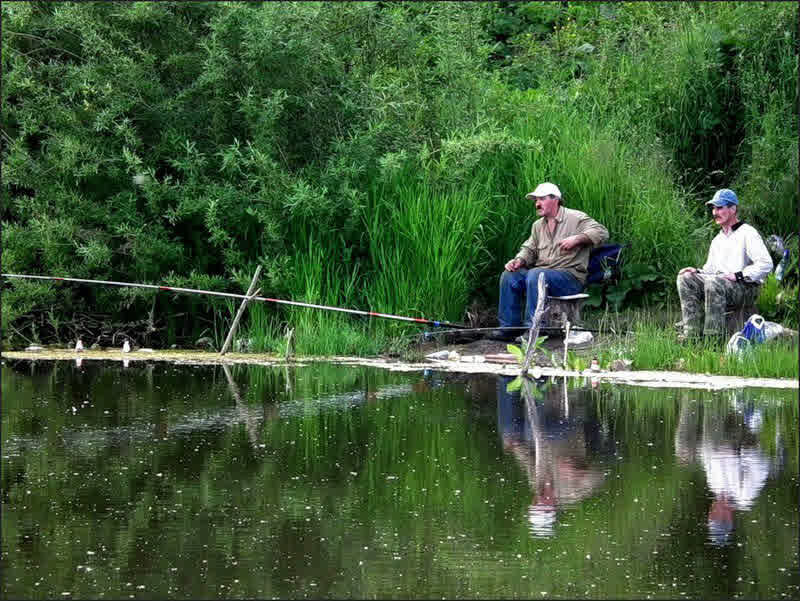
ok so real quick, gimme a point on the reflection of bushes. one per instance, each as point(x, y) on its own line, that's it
point(404, 471)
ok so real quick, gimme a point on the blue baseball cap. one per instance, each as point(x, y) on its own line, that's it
point(724, 198)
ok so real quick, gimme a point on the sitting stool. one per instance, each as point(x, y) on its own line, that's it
point(562, 309)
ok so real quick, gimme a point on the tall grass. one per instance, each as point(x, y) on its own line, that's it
point(321, 280)
point(721, 103)
point(653, 346)
point(263, 330)
point(438, 231)
point(424, 246)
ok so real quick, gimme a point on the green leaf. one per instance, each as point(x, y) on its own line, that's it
point(514, 384)
point(517, 352)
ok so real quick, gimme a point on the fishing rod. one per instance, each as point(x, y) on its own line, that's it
point(515, 328)
point(232, 295)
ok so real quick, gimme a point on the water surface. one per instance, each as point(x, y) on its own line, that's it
point(163, 481)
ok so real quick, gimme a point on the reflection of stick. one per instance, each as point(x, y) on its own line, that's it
point(250, 294)
point(533, 334)
point(533, 420)
point(530, 406)
point(243, 412)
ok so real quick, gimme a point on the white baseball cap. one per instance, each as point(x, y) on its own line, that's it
point(545, 189)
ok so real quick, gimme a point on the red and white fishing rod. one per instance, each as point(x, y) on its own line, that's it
point(232, 295)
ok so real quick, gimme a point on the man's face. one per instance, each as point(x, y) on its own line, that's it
point(546, 206)
point(724, 216)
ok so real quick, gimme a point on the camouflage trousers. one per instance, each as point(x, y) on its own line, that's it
point(705, 298)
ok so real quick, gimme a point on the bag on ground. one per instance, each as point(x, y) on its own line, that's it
point(755, 331)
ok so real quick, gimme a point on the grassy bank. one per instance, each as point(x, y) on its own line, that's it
point(650, 341)
point(653, 348)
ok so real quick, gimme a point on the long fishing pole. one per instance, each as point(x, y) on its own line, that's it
point(232, 295)
point(514, 328)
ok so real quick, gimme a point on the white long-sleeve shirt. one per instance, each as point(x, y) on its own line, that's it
point(740, 250)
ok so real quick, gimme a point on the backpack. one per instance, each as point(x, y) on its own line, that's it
point(605, 264)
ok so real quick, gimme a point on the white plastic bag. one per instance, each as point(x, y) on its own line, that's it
point(772, 330)
point(755, 331)
point(579, 337)
point(736, 344)
point(444, 356)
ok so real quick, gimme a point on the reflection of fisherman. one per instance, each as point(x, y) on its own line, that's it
point(736, 468)
point(553, 443)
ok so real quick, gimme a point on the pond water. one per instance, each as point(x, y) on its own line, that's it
point(165, 481)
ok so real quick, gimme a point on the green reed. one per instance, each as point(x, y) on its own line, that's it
point(319, 278)
point(655, 346)
point(261, 332)
point(424, 244)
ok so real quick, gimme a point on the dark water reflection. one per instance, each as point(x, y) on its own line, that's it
point(158, 481)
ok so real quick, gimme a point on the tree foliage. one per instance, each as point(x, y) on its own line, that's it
point(173, 142)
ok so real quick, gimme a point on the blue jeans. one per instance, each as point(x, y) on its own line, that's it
point(524, 282)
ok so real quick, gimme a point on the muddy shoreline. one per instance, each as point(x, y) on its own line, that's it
point(470, 361)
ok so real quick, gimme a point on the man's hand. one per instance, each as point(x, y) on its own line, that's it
point(731, 277)
point(572, 241)
point(514, 264)
point(687, 270)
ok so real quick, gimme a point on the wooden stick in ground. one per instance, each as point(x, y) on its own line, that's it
point(533, 333)
point(239, 313)
point(566, 343)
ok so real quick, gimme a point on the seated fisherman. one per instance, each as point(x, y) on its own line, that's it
point(558, 247)
point(738, 262)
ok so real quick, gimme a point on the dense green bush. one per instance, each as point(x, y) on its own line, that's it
point(371, 155)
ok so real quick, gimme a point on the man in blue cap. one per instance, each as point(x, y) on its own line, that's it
point(737, 264)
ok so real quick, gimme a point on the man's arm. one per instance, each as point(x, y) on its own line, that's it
point(596, 232)
point(573, 241)
point(588, 232)
point(757, 252)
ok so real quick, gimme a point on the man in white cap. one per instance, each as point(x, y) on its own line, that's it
point(558, 247)
point(737, 264)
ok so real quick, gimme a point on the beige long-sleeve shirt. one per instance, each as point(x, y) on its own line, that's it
point(541, 248)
